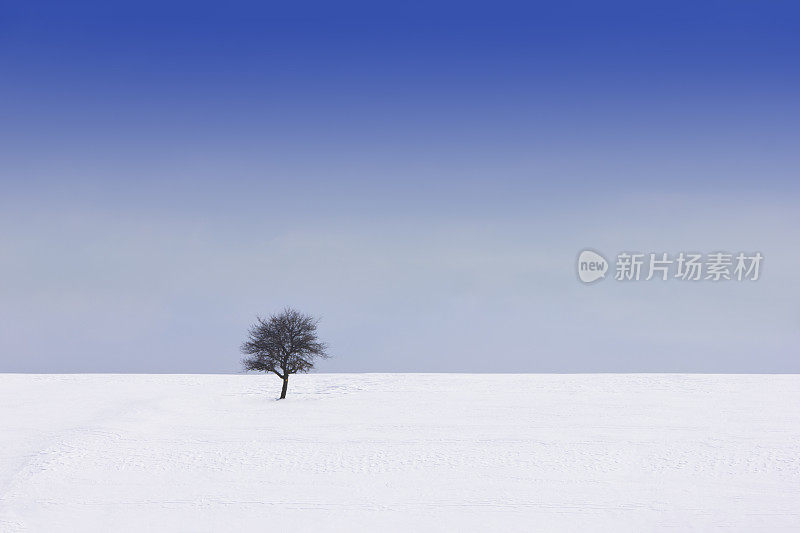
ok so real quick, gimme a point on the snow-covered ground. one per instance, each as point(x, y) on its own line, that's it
point(399, 452)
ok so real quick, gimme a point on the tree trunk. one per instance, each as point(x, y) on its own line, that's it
point(285, 386)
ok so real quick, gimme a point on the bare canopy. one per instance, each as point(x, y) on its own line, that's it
point(285, 343)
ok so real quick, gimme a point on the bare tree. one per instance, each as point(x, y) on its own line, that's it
point(285, 343)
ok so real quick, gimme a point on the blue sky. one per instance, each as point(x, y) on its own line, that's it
point(421, 176)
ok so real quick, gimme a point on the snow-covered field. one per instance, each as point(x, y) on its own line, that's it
point(399, 452)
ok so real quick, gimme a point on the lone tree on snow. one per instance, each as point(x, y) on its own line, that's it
point(284, 344)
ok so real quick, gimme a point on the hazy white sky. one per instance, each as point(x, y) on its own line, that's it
point(104, 287)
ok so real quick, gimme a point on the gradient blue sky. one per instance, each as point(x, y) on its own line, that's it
point(421, 176)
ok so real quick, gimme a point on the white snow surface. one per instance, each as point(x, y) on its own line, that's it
point(400, 452)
